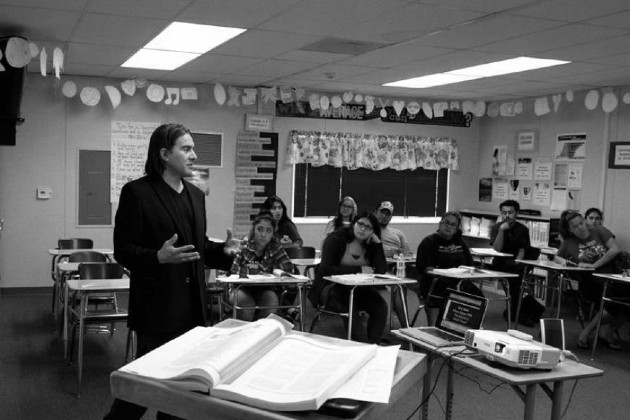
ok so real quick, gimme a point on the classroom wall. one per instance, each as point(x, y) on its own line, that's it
point(602, 187)
point(56, 128)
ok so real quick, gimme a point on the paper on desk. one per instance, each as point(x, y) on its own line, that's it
point(373, 382)
point(454, 270)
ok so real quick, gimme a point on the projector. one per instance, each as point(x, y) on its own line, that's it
point(513, 348)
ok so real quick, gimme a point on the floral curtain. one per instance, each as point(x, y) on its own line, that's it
point(372, 151)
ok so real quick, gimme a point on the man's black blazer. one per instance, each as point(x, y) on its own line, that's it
point(145, 219)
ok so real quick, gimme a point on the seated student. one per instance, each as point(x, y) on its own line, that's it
point(594, 217)
point(346, 212)
point(512, 237)
point(262, 254)
point(589, 247)
point(286, 231)
point(355, 249)
point(442, 249)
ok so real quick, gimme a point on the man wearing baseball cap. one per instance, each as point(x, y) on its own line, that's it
point(394, 241)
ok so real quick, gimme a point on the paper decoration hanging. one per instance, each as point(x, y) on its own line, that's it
point(591, 100)
point(313, 101)
point(69, 89)
point(506, 109)
point(235, 95)
point(427, 109)
point(493, 110)
point(383, 113)
point(541, 106)
point(17, 52)
point(369, 104)
point(439, 108)
point(336, 101)
point(219, 94)
point(90, 96)
point(480, 109)
point(172, 96)
point(454, 105)
point(57, 62)
point(347, 97)
point(155, 93)
point(140, 82)
point(324, 102)
point(569, 96)
point(518, 108)
point(129, 87)
point(285, 95)
point(299, 93)
point(398, 107)
point(556, 101)
point(269, 94)
point(413, 108)
point(189, 93)
point(609, 102)
point(249, 96)
point(468, 106)
point(34, 49)
point(114, 95)
point(43, 57)
point(358, 98)
point(626, 98)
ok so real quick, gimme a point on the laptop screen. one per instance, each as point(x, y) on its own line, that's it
point(462, 312)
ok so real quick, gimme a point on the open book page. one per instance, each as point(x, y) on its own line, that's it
point(454, 270)
point(265, 278)
point(373, 382)
point(206, 355)
point(300, 373)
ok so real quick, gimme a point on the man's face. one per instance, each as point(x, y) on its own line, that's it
point(384, 216)
point(180, 159)
point(509, 214)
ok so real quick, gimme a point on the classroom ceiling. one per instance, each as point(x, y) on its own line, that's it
point(344, 45)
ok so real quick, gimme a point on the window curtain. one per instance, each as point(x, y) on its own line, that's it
point(372, 151)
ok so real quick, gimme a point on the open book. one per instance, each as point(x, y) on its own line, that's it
point(259, 363)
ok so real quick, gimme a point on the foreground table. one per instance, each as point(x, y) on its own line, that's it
point(516, 378)
point(403, 402)
point(618, 300)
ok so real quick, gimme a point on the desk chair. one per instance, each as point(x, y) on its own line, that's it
point(215, 292)
point(303, 252)
point(622, 298)
point(71, 243)
point(95, 316)
point(321, 308)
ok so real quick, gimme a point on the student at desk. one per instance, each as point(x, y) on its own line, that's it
point(346, 213)
point(590, 247)
point(262, 254)
point(442, 249)
point(286, 231)
point(356, 249)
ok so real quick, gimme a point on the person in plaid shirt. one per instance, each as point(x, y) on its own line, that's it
point(262, 254)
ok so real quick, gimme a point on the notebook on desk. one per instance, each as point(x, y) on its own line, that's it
point(460, 312)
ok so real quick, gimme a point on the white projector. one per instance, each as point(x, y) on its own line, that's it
point(513, 348)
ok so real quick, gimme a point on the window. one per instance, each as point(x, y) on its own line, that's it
point(417, 193)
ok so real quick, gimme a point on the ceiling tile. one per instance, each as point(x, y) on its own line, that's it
point(263, 44)
point(164, 9)
point(311, 56)
point(220, 64)
point(573, 10)
point(97, 54)
point(590, 50)
point(276, 68)
point(479, 5)
point(619, 20)
point(117, 30)
point(238, 13)
point(44, 24)
point(394, 55)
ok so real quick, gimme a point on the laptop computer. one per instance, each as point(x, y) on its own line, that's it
point(460, 312)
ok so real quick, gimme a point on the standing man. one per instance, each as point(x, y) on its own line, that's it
point(394, 241)
point(510, 237)
point(160, 236)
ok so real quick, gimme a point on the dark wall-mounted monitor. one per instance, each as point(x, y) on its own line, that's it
point(11, 86)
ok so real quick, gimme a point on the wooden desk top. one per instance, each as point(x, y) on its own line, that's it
point(550, 265)
point(471, 273)
point(98, 285)
point(57, 251)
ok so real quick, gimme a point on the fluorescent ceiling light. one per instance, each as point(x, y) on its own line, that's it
point(159, 60)
point(513, 65)
point(437, 79)
point(186, 40)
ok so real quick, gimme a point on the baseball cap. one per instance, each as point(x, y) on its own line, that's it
point(386, 205)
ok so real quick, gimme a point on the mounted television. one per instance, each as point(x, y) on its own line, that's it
point(11, 86)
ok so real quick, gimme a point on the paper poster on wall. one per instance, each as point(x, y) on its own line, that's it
point(541, 196)
point(499, 189)
point(575, 176)
point(524, 168)
point(526, 192)
point(513, 189)
point(485, 189)
point(561, 175)
point(571, 147)
point(510, 165)
point(526, 140)
point(499, 160)
point(129, 145)
point(559, 199)
point(542, 170)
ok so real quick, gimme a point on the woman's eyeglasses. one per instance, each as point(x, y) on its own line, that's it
point(347, 206)
point(364, 226)
point(449, 224)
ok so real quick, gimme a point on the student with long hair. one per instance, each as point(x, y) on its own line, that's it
point(286, 231)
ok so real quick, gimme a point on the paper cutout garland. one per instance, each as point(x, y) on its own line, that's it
point(17, 52)
point(90, 96)
point(69, 89)
point(114, 95)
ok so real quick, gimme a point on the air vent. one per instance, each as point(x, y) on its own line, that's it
point(526, 357)
point(342, 46)
point(469, 338)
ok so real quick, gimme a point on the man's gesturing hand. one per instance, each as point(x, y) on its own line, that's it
point(168, 254)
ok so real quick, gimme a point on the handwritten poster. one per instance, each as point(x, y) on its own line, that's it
point(524, 168)
point(542, 171)
point(499, 160)
point(129, 144)
point(542, 194)
point(525, 141)
point(500, 189)
point(256, 169)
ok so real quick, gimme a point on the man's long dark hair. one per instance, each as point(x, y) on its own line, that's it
point(165, 137)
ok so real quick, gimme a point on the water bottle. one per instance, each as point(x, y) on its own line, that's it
point(400, 265)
